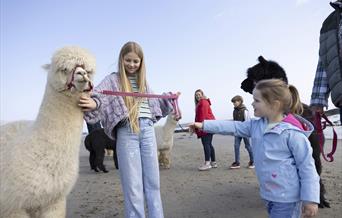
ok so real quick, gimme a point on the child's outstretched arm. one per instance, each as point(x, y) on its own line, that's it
point(224, 127)
point(196, 125)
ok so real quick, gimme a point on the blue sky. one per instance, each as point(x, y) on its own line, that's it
point(188, 44)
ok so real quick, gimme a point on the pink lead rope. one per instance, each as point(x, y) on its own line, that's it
point(173, 97)
point(319, 127)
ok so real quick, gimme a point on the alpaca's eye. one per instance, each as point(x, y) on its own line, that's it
point(64, 70)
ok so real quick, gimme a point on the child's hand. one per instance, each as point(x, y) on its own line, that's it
point(310, 210)
point(193, 126)
point(87, 103)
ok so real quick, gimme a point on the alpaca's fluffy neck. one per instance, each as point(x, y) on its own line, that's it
point(59, 117)
point(168, 128)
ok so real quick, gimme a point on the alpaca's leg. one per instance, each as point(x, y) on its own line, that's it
point(167, 161)
point(92, 160)
point(316, 154)
point(161, 158)
point(56, 210)
point(100, 153)
point(115, 158)
point(313, 138)
point(164, 159)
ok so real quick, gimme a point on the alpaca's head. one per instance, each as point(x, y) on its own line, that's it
point(71, 70)
point(263, 70)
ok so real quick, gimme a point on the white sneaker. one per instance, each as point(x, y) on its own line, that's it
point(251, 165)
point(213, 164)
point(204, 167)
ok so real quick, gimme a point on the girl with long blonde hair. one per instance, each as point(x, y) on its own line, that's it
point(130, 120)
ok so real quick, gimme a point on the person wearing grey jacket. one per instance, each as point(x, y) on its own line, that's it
point(328, 77)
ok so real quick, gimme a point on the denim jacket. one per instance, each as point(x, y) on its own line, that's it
point(282, 157)
point(112, 109)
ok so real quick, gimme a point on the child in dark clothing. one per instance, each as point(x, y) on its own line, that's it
point(240, 113)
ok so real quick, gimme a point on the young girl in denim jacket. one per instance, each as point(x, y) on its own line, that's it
point(130, 120)
point(282, 153)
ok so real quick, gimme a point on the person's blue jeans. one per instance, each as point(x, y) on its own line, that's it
point(209, 151)
point(283, 210)
point(237, 143)
point(139, 170)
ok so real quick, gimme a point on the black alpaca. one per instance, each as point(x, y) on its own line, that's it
point(96, 142)
point(272, 70)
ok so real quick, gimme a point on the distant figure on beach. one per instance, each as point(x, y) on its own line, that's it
point(328, 78)
point(130, 120)
point(240, 113)
point(282, 152)
point(204, 112)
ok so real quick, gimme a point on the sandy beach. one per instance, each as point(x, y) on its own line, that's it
point(186, 192)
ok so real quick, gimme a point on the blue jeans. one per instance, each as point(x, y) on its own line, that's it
point(209, 151)
point(139, 170)
point(237, 143)
point(283, 210)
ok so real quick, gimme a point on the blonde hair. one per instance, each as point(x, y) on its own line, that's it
point(132, 104)
point(277, 90)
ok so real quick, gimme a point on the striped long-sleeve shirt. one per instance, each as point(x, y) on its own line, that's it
point(144, 110)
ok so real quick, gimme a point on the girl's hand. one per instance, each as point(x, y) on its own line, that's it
point(310, 210)
point(87, 103)
point(196, 125)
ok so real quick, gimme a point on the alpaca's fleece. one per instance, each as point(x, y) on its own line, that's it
point(164, 135)
point(39, 159)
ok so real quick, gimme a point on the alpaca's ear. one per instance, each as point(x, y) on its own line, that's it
point(46, 67)
point(247, 85)
point(262, 60)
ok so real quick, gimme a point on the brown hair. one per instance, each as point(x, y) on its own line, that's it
point(237, 98)
point(276, 89)
point(201, 91)
point(131, 103)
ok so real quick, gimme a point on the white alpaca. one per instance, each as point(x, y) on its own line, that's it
point(39, 159)
point(164, 135)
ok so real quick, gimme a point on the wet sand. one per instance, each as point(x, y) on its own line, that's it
point(186, 192)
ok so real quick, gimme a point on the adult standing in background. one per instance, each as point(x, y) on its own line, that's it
point(328, 78)
point(204, 112)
